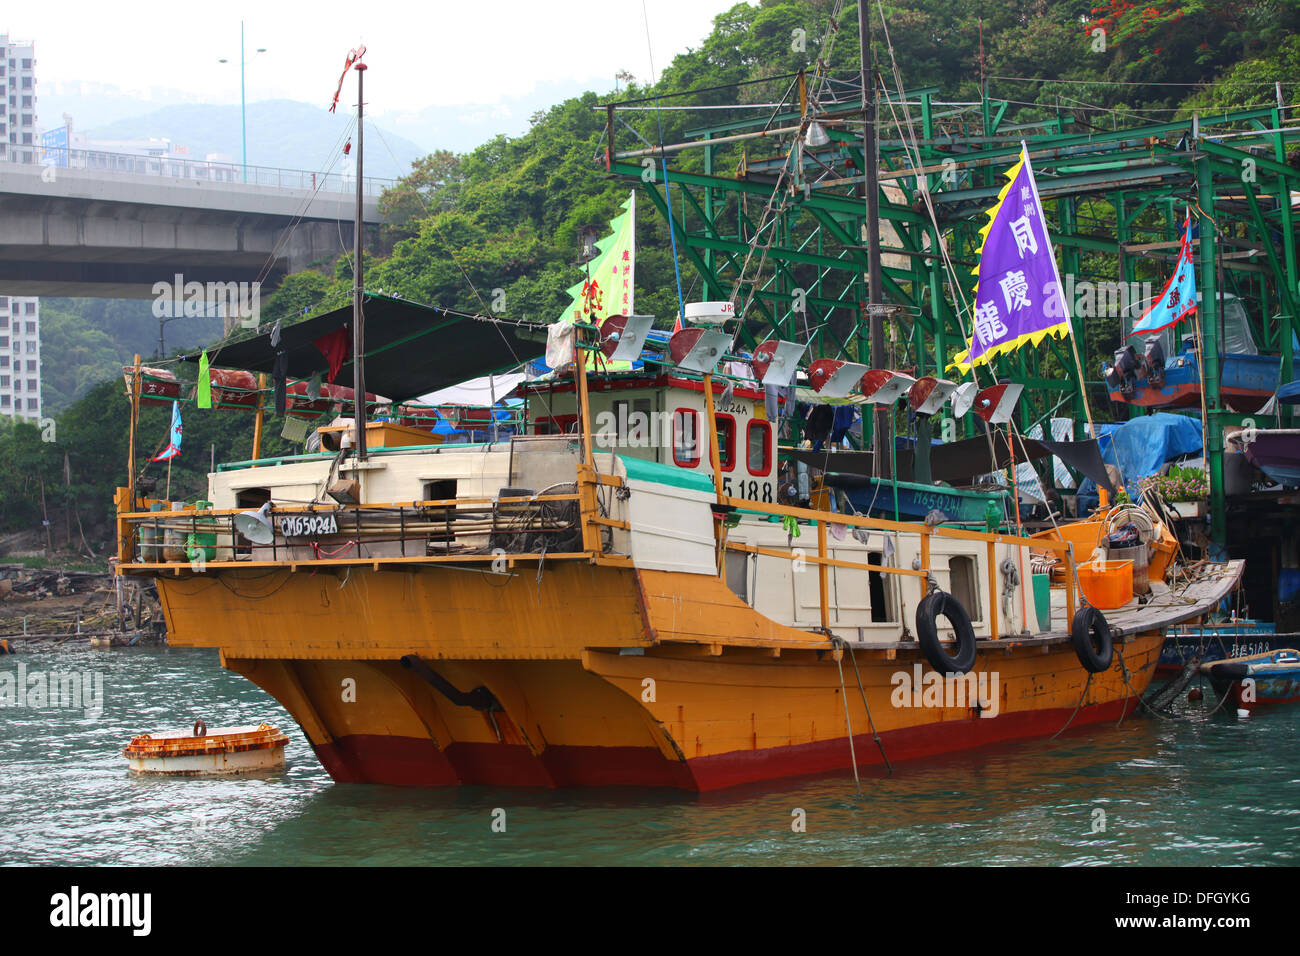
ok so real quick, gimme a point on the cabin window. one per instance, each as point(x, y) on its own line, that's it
point(962, 571)
point(877, 583)
point(252, 498)
point(758, 444)
point(638, 426)
point(442, 489)
point(632, 422)
point(249, 499)
point(621, 422)
point(686, 437)
point(727, 442)
point(559, 425)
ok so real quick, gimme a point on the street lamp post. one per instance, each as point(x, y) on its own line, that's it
point(162, 323)
point(243, 113)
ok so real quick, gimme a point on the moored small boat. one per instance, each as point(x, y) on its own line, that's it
point(1275, 451)
point(1269, 678)
point(1217, 642)
point(200, 751)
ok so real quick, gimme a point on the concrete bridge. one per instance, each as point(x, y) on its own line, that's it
point(111, 225)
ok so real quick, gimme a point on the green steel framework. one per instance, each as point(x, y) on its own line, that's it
point(1134, 182)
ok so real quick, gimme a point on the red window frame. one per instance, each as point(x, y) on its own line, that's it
point(767, 448)
point(695, 417)
point(727, 452)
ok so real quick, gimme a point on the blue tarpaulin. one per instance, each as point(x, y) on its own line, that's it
point(1141, 446)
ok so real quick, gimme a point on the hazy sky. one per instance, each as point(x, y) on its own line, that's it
point(419, 54)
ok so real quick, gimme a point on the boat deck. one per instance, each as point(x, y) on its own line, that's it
point(1163, 608)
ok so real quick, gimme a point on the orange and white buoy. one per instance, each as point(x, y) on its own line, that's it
point(221, 750)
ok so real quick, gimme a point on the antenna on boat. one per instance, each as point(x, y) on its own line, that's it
point(358, 292)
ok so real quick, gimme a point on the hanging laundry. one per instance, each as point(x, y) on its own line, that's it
point(772, 401)
point(559, 345)
point(336, 347)
point(818, 426)
point(845, 417)
point(275, 334)
point(313, 386)
point(280, 372)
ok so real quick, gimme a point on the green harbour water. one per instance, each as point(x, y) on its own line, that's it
point(1205, 791)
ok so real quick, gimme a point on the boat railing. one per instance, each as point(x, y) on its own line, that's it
point(477, 530)
point(470, 529)
point(823, 560)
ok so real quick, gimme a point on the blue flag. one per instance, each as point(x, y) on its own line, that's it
point(1179, 297)
point(174, 444)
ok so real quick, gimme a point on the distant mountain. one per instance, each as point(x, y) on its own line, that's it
point(464, 126)
point(91, 103)
point(282, 133)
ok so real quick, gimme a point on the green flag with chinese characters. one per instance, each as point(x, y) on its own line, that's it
point(609, 285)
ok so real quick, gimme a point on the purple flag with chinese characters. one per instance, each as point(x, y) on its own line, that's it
point(1018, 296)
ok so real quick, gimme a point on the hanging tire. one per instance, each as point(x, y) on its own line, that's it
point(1092, 640)
point(932, 606)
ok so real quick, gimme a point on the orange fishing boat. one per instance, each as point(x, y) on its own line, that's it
point(615, 596)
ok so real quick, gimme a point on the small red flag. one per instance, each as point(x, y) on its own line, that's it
point(353, 56)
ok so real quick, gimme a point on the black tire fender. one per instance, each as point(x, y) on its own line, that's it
point(932, 606)
point(1092, 639)
point(200, 729)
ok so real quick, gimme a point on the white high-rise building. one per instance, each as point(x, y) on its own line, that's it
point(20, 356)
point(20, 317)
point(19, 142)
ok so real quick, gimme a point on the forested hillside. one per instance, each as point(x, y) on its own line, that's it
point(507, 215)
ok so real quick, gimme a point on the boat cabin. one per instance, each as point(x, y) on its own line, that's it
point(661, 417)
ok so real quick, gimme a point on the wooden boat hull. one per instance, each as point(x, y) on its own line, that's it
point(606, 676)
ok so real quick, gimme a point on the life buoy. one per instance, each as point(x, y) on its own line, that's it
point(1092, 640)
point(200, 729)
point(933, 605)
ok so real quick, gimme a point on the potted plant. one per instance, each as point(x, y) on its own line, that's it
point(1184, 488)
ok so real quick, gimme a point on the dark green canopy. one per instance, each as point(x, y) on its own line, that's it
point(411, 349)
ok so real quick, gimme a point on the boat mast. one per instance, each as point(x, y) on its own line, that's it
point(358, 292)
point(882, 457)
point(135, 420)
